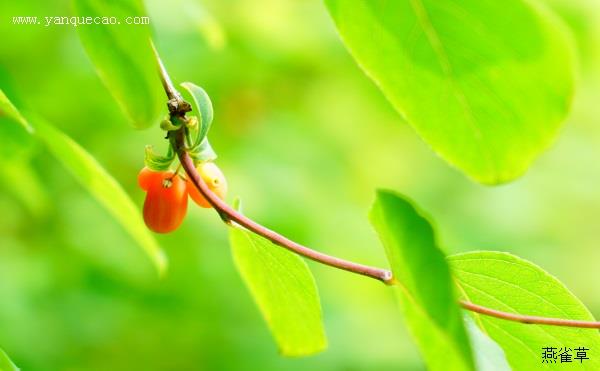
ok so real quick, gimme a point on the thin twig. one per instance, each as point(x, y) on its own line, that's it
point(528, 319)
point(242, 220)
point(165, 79)
point(177, 105)
point(228, 214)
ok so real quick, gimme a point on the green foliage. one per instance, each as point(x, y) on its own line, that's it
point(24, 184)
point(485, 84)
point(203, 106)
point(488, 355)
point(505, 282)
point(424, 286)
point(14, 131)
point(7, 109)
point(5, 363)
point(103, 187)
point(16, 141)
point(492, 279)
point(287, 100)
point(284, 290)
point(123, 57)
point(158, 162)
point(201, 148)
point(95, 179)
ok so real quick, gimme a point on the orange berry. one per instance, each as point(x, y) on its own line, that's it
point(214, 178)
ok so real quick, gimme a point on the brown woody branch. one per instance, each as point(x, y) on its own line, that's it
point(528, 319)
point(178, 108)
point(232, 215)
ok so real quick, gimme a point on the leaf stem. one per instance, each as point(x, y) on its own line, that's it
point(228, 214)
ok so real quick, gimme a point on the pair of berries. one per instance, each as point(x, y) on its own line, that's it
point(167, 195)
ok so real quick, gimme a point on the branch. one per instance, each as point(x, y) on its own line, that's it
point(177, 105)
point(228, 214)
point(225, 210)
point(528, 319)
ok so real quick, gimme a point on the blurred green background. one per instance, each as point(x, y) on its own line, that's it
point(305, 139)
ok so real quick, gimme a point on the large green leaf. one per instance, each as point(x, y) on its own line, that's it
point(485, 83)
point(5, 363)
point(123, 56)
point(505, 282)
point(92, 176)
point(285, 291)
point(96, 180)
point(424, 286)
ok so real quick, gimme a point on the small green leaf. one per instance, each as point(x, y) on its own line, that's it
point(203, 152)
point(15, 132)
point(485, 83)
point(123, 56)
point(203, 106)
point(505, 282)
point(7, 109)
point(5, 363)
point(96, 180)
point(424, 286)
point(284, 290)
point(158, 162)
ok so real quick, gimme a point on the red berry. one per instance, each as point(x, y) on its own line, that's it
point(166, 201)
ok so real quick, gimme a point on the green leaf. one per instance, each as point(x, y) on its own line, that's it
point(123, 56)
point(96, 180)
point(158, 162)
point(7, 109)
point(16, 140)
point(203, 152)
point(485, 83)
point(488, 355)
point(14, 131)
point(18, 178)
point(93, 177)
point(284, 290)
point(15, 173)
point(505, 282)
point(203, 105)
point(424, 286)
point(5, 363)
